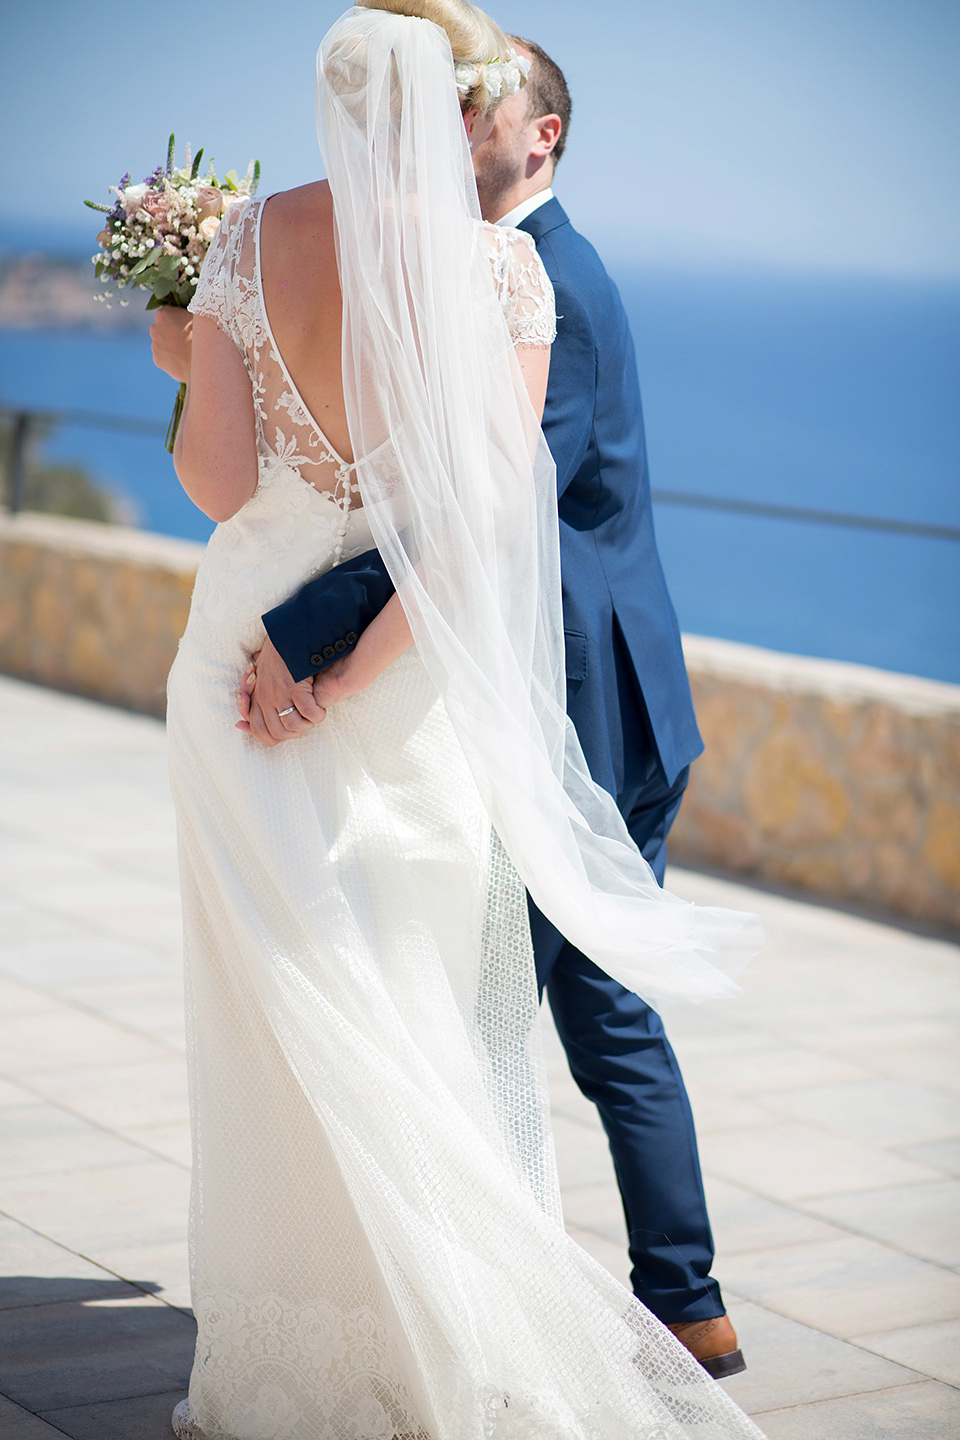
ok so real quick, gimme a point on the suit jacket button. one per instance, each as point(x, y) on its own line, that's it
point(328, 652)
point(316, 659)
point(340, 646)
point(351, 637)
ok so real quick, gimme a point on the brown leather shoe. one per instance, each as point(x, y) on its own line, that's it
point(713, 1343)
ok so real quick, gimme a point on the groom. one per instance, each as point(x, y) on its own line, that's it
point(627, 694)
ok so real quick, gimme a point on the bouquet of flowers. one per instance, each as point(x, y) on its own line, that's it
point(157, 233)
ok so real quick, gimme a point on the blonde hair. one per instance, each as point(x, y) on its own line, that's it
point(474, 38)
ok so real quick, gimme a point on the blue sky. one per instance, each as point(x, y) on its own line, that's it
point(794, 133)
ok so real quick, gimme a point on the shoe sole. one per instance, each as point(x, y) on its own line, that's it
point(721, 1367)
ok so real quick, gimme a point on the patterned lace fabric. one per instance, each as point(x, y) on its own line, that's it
point(231, 293)
point(377, 1251)
point(524, 288)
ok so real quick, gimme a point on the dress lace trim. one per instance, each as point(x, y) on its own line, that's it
point(283, 1369)
point(524, 288)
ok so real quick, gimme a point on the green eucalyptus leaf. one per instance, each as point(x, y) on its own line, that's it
point(195, 171)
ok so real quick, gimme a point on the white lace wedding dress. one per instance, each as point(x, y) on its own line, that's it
point(377, 1248)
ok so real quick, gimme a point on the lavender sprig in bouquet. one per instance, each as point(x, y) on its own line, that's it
point(157, 233)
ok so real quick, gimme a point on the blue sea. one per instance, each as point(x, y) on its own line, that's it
point(832, 393)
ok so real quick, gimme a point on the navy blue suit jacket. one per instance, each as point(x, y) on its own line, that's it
point(612, 577)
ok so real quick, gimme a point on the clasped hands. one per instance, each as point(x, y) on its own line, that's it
point(268, 690)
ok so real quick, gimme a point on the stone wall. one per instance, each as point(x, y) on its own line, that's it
point(94, 609)
point(835, 779)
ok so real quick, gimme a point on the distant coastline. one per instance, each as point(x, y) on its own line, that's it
point(47, 292)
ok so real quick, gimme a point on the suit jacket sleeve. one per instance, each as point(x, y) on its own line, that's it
point(324, 620)
point(571, 393)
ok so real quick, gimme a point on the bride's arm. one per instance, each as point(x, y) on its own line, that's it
point(216, 451)
point(384, 640)
point(215, 455)
point(534, 362)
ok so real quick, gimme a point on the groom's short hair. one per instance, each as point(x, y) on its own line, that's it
point(547, 92)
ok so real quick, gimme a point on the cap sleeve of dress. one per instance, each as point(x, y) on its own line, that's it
point(214, 292)
point(526, 293)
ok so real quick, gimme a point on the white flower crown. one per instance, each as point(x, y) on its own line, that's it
point(503, 77)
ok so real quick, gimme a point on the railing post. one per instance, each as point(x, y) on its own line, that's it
point(17, 460)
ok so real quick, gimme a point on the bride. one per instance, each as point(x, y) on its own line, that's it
point(377, 1245)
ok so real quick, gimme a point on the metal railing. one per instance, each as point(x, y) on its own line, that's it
point(800, 512)
point(23, 422)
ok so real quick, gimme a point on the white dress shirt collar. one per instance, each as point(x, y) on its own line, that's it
point(525, 208)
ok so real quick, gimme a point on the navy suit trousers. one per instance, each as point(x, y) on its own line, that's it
point(622, 1061)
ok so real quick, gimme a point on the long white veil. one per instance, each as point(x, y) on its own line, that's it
point(460, 491)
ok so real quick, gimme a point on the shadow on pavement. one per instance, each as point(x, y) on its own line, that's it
point(97, 1358)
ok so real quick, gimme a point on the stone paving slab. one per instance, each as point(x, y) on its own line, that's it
point(915, 1412)
point(143, 1417)
point(827, 1099)
point(793, 1364)
point(39, 1271)
point(19, 1424)
point(841, 1285)
point(59, 1354)
point(919, 1218)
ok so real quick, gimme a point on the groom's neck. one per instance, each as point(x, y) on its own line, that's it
point(495, 205)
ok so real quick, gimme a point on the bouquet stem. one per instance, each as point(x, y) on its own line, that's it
point(175, 418)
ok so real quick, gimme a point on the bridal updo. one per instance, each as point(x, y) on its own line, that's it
point(475, 40)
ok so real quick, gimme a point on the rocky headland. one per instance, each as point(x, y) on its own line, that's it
point(45, 292)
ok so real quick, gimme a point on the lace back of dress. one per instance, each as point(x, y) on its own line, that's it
point(287, 434)
point(230, 292)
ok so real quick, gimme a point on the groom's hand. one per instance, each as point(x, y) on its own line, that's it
point(267, 690)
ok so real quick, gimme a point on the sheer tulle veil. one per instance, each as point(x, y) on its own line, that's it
point(460, 491)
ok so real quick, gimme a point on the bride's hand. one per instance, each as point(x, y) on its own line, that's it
point(171, 337)
point(267, 690)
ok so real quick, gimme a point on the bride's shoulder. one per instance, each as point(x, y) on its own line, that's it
point(235, 222)
point(513, 256)
point(503, 240)
point(511, 252)
point(523, 285)
point(304, 205)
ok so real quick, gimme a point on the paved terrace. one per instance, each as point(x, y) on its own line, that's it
point(828, 1104)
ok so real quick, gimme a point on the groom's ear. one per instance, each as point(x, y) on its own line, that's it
point(548, 131)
